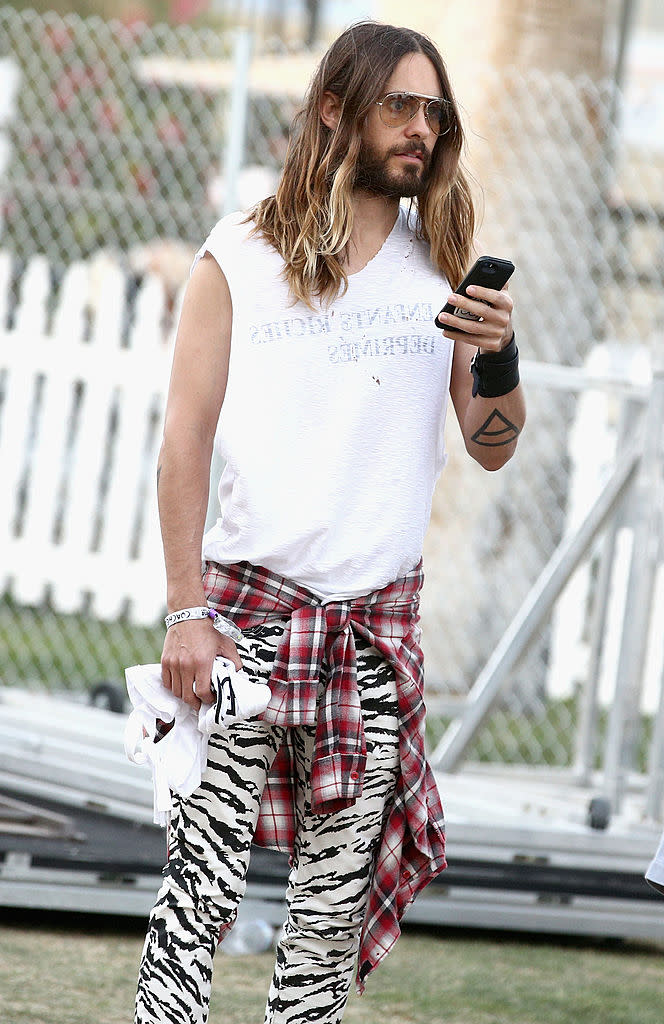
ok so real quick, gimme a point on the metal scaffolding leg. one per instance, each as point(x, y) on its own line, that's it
point(589, 699)
point(533, 611)
point(586, 739)
point(655, 787)
point(624, 714)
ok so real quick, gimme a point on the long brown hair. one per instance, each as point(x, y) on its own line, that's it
point(310, 219)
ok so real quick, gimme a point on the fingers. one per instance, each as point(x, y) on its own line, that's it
point(189, 650)
point(202, 676)
point(496, 298)
point(228, 649)
point(186, 663)
point(202, 688)
point(484, 302)
point(179, 673)
point(493, 331)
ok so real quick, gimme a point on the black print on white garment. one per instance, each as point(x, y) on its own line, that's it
point(226, 704)
point(339, 324)
point(367, 348)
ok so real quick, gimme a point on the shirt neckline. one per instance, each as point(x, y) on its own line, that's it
point(399, 219)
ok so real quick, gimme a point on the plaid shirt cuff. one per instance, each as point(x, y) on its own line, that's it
point(336, 781)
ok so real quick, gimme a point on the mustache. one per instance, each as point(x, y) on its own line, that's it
point(412, 147)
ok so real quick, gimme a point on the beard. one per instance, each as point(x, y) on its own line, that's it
point(372, 173)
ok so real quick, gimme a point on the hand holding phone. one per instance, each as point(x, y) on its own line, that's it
point(487, 272)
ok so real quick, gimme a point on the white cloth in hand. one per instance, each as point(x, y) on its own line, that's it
point(655, 872)
point(178, 758)
point(236, 698)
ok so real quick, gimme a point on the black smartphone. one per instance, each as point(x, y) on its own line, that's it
point(487, 272)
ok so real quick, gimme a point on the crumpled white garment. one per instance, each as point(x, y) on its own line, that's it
point(655, 872)
point(179, 758)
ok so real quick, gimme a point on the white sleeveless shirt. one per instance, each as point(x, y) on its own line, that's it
point(332, 424)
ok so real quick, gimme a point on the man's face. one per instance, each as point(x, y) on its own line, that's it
point(395, 162)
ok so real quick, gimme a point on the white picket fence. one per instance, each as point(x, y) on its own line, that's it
point(81, 410)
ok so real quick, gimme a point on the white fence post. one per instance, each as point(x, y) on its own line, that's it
point(80, 429)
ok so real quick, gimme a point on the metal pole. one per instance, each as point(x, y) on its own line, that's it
point(589, 701)
point(537, 605)
point(313, 22)
point(627, 17)
point(625, 710)
point(232, 158)
point(236, 127)
point(655, 787)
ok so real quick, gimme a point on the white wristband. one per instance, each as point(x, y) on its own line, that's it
point(221, 624)
point(189, 613)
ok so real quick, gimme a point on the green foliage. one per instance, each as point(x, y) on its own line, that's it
point(46, 650)
point(543, 735)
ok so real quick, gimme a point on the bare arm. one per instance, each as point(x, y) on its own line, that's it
point(490, 426)
point(196, 392)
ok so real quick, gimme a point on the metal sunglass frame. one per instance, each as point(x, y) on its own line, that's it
point(424, 102)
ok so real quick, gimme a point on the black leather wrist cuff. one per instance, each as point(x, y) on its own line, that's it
point(495, 373)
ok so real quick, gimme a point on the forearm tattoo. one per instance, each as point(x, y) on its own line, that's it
point(496, 431)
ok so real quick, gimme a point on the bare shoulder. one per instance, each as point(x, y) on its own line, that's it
point(202, 348)
point(207, 310)
point(208, 284)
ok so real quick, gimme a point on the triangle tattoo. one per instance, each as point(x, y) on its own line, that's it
point(496, 431)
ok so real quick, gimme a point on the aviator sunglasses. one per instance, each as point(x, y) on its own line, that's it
point(397, 108)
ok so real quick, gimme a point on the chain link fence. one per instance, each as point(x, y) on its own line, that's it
point(113, 144)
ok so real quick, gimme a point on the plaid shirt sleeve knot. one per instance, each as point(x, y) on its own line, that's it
point(412, 850)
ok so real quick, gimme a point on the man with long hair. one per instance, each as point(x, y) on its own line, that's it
point(308, 349)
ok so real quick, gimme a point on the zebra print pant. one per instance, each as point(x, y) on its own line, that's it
point(209, 845)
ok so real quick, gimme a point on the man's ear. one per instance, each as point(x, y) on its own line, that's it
point(330, 110)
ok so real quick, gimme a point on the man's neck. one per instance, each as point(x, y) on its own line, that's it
point(373, 219)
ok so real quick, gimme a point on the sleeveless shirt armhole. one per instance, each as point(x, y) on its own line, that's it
point(222, 240)
point(214, 250)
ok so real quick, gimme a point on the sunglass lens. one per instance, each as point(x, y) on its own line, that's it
point(440, 117)
point(398, 108)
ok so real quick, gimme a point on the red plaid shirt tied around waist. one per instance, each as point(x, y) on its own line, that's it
point(412, 849)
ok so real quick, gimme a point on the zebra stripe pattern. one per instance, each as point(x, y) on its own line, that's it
point(209, 846)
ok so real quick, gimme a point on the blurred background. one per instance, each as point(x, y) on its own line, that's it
point(127, 129)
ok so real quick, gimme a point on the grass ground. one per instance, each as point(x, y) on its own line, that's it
point(78, 971)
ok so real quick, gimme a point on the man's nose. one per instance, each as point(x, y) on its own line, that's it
point(418, 125)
